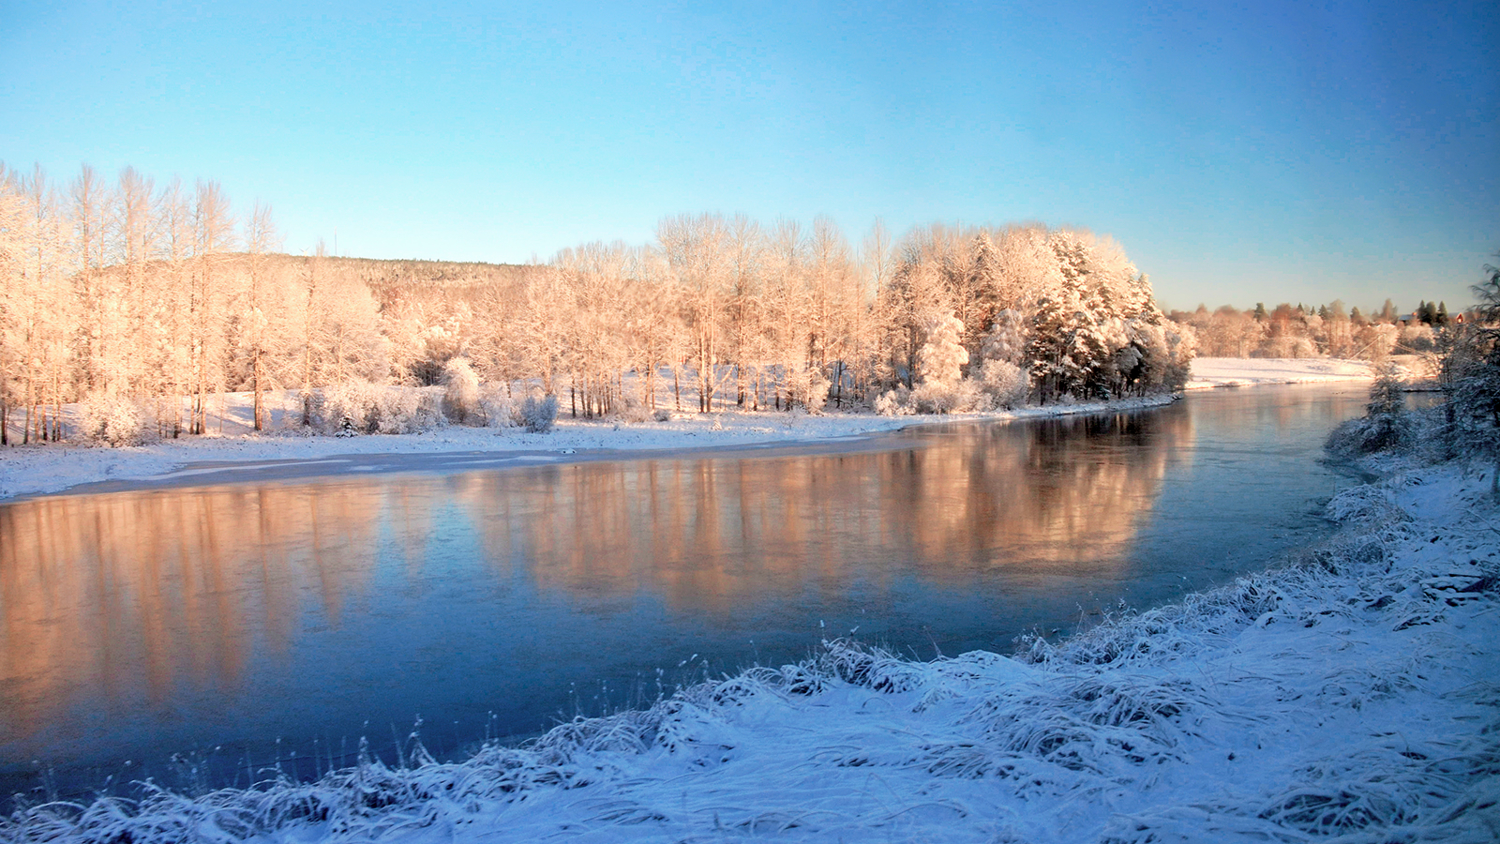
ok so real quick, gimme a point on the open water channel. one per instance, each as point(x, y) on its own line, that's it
point(206, 636)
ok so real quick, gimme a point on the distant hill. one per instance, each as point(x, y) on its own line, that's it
point(403, 279)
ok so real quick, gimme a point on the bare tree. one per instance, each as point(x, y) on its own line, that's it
point(213, 237)
point(261, 238)
point(697, 251)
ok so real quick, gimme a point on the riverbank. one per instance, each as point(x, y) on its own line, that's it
point(1211, 373)
point(244, 455)
point(233, 451)
point(1349, 695)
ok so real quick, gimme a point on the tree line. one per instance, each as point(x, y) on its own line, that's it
point(128, 289)
point(1328, 330)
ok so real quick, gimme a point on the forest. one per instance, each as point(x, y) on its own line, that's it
point(147, 300)
point(1325, 331)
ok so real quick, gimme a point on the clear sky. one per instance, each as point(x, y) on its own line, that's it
point(1239, 152)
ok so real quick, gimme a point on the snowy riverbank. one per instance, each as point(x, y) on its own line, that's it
point(1208, 373)
point(43, 469)
point(239, 453)
point(1352, 695)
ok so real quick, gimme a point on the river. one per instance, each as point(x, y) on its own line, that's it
point(205, 636)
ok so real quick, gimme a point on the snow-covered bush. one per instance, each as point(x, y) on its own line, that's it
point(1005, 383)
point(461, 400)
point(498, 408)
point(962, 396)
point(894, 402)
point(1386, 426)
point(364, 408)
point(539, 414)
point(114, 421)
point(816, 396)
point(807, 388)
point(633, 410)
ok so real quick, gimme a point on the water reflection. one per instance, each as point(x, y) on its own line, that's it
point(182, 615)
point(112, 602)
point(712, 534)
point(134, 625)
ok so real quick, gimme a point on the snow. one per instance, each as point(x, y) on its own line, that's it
point(240, 454)
point(1208, 373)
point(1352, 695)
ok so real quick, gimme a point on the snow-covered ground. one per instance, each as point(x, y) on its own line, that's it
point(1244, 372)
point(41, 469)
point(1353, 695)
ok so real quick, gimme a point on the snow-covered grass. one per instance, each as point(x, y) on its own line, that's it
point(41, 469)
point(1243, 372)
point(1352, 695)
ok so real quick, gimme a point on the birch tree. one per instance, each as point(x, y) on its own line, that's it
point(213, 237)
point(261, 238)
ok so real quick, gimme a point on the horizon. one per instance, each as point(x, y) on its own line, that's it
point(1278, 154)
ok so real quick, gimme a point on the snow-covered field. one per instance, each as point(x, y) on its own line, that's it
point(1244, 372)
point(1353, 695)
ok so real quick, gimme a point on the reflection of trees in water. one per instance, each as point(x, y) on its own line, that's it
point(126, 599)
point(715, 534)
point(1062, 492)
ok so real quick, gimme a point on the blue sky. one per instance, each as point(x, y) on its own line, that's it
point(1274, 152)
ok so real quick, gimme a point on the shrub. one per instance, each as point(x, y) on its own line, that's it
point(1386, 426)
point(894, 402)
point(816, 396)
point(498, 408)
point(961, 396)
point(1005, 383)
point(114, 421)
point(539, 414)
point(364, 408)
point(461, 401)
point(632, 410)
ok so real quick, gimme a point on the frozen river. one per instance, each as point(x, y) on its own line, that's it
point(202, 636)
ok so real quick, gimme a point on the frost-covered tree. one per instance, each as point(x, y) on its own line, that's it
point(213, 239)
point(461, 393)
point(255, 327)
point(941, 358)
point(13, 218)
point(697, 254)
point(125, 290)
point(1007, 339)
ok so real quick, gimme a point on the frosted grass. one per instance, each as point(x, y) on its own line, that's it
point(1351, 695)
